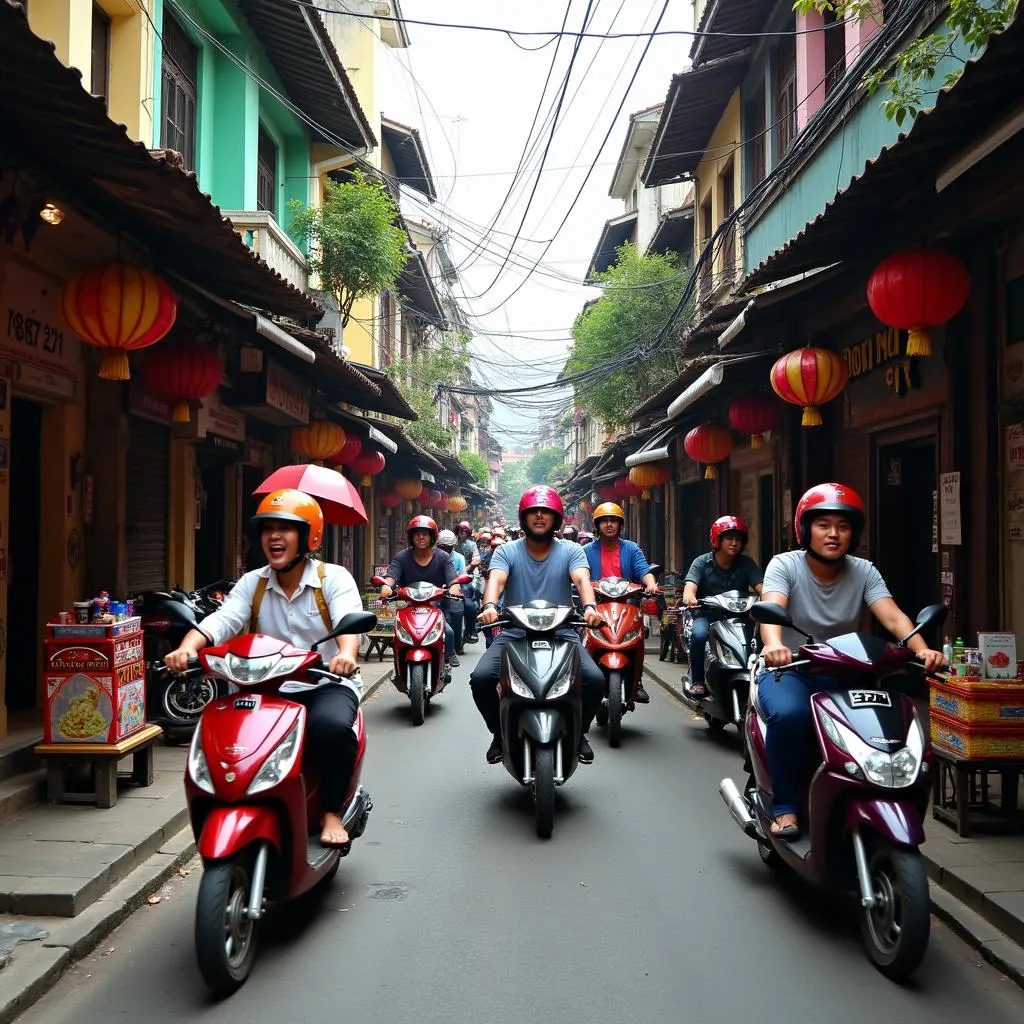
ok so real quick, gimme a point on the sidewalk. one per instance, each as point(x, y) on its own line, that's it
point(977, 882)
point(70, 874)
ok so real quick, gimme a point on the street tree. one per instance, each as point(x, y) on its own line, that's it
point(547, 467)
point(421, 378)
point(618, 340)
point(476, 464)
point(909, 75)
point(355, 247)
point(512, 481)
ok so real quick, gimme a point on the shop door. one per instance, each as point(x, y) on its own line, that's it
point(252, 477)
point(906, 479)
point(767, 522)
point(694, 522)
point(147, 497)
point(22, 549)
point(210, 551)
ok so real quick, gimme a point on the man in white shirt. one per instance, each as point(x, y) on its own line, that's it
point(299, 599)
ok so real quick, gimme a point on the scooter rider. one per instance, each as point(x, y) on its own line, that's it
point(537, 567)
point(571, 533)
point(825, 589)
point(297, 598)
point(471, 553)
point(614, 556)
point(454, 608)
point(723, 568)
point(421, 562)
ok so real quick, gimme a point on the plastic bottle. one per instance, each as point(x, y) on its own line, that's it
point(100, 605)
point(958, 659)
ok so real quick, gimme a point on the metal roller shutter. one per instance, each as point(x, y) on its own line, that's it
point(146, 502)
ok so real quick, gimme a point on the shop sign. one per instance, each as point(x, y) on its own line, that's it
point(142, 403)
point(949, 507)
point(214, 418)
point(884, 349)
point(225, 446)
point(32, 329)
point(1014, 506)
point(287, 393)
point(30, 377)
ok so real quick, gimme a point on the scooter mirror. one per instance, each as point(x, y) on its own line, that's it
point(464, 578)
point(354, 622)
point(933, 615)
point(377, 581)
point(768, 613)
point(656, 570)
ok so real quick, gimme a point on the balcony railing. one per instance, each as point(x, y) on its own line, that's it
point(268, 240)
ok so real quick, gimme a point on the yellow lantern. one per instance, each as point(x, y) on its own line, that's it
point(408, 489)
point(319, 441)
point(456, 504)
point(648, 475)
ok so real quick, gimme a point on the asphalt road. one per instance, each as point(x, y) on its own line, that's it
point(648, 904)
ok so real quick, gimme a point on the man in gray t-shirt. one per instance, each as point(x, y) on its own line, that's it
point(536, 568)
point(825, 590)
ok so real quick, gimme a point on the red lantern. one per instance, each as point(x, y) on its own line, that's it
point(118, 307)
point(755, 415)
point(388, 501)
point(608, 492)
point(352, 447)
point(438, 500)
point(182, 372)
point(367, 464)
point(708, 443)
point(809, 377)
point(625, 488)
point(917, 289)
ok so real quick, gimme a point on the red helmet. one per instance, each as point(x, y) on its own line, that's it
point(728, 524)
point(422, 523)
point(464, 526)
point(825, 498)
point(542, 496)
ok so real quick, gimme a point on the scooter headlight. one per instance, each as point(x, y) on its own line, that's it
point(560, 687)
point(279, 761)
point(518, 685)
point(403, 634)
point(894, 771)
point(434, 633)
point(198, 769)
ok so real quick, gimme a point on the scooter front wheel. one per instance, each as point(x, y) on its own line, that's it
point(544, 791)
point(225, 935)
point(895, 928)
point(614, 708)
point(417, 693)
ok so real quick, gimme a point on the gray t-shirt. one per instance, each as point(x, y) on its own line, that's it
point(824, 610)
point(546, 579)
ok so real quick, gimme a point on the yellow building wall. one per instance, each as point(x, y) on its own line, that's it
point(68, 25)
point(723, 149)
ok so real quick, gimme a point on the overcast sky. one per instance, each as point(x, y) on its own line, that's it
point(473, 95)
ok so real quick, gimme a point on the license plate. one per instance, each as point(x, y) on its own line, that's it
point(870, 699)
point(245, 704)
point(540, 645)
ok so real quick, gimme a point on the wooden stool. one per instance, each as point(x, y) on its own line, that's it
point(379, 642)
point(960, 793)
point(102, 758)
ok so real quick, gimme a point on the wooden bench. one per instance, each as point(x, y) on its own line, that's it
point(960, 794)
point(102, 759)
point(379, 642)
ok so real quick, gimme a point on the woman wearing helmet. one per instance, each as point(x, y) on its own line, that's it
point(454, 608)
point(723, 568)
point(536, 567)
point(825, 590)
point(297, 598)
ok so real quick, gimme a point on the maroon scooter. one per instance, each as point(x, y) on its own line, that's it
point(862, 810)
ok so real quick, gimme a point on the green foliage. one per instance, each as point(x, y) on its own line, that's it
point(354, 247)
point(640, 295)
point(512, 481)
point(420, 378)
point(476, 464)
point(547, 467)
point(910, 75)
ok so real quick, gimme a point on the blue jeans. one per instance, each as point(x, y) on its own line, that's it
point(786, 699)
point(453, 613)
point(469, 617)
point(698, 644)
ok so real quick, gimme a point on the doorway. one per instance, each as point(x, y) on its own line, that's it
point(22, 550)
point(905, 481)
point(694, 522)
point(210, 549)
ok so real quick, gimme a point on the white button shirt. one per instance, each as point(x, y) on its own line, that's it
point(295, 619)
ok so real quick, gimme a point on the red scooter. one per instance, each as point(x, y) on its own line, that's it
point(420, 669)
point(253, 805)
point(618, 649)
point(863, 808)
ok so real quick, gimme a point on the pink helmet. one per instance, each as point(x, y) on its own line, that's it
point(542, 496)
point(464, 526)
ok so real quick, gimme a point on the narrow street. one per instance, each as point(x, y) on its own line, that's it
point(648, 904)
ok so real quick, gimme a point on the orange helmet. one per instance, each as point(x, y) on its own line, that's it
point(609, 510)
point(292, 506)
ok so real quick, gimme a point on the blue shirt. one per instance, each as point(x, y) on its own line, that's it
point(632, 562)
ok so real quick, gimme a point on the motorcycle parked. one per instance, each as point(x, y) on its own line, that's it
point(618, 649)
point(253, 805)
point(420, 668)
point(862, 813)
point(541, 710)
point(172, 701)
point(731, 656)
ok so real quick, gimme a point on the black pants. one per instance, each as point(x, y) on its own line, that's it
point(484, 683)
point(331, 742)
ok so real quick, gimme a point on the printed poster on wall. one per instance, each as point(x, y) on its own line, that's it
point(949, 508)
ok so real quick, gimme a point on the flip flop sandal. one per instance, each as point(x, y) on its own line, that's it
point(698, 691)
point(786, 832)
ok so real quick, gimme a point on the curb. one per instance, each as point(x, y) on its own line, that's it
point(38, 966)
point(998, 949)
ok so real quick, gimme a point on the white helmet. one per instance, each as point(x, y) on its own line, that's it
point(446, 539)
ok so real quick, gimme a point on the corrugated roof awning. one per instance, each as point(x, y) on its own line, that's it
point(64, 135)
point(616, 232)
point(904, 174)
point(408, 448)
point(392, 401)
point(728, 26)
point(695, 103)
point(674, 232)
point(299, 47)
point(409, 156)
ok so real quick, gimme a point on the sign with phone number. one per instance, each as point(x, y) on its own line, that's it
point(31, 327)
